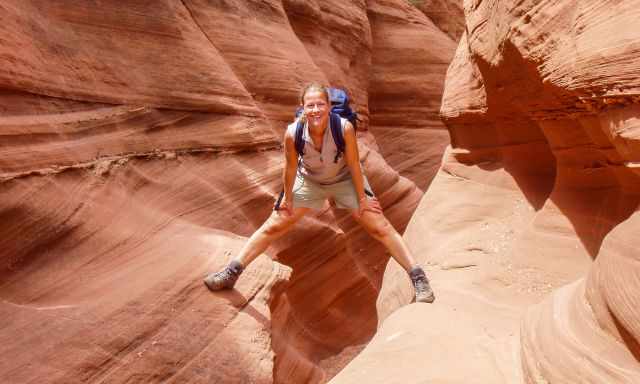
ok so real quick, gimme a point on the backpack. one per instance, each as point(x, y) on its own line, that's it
point(339, 108)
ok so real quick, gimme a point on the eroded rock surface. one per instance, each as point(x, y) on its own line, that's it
point(406, 44)
point(140, 146)
point(530, 225)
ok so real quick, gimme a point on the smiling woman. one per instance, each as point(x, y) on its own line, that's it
point(316, 171)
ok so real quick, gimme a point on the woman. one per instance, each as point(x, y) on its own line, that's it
point(309, 182)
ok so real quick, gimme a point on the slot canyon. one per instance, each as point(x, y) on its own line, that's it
point(141, 146)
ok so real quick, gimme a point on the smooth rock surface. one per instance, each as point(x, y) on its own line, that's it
point(530, 226)
point(140, 147)
point(404, 49)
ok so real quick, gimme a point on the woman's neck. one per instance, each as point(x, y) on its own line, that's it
point(317, 135)
point(317, 130)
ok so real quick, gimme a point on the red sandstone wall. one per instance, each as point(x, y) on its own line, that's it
point(140, 145)
point(530, 227)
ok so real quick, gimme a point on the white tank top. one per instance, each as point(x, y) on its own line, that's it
point(319, 167)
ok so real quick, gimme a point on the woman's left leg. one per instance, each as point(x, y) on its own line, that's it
point(377, 225)
point(380, 229)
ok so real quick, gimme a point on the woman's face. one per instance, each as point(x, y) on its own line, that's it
point(316, 108)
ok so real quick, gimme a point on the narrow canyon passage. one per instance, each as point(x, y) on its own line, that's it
point(141, 145)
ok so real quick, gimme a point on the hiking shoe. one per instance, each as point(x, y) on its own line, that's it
point(424, 293)
point(224, 279)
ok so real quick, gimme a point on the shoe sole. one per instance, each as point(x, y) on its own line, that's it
point(428, 300)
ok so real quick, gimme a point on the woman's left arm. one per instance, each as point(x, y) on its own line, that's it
point(352, 158)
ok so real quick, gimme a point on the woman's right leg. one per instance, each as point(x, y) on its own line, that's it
point(275, 226)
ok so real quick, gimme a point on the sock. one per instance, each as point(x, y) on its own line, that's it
point(236, 267)
point(417, 273)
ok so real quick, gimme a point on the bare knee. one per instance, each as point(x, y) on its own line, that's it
point(277, 225)
point(379, 229)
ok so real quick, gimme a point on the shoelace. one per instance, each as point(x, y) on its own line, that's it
point(226, 274)
point(421, 285)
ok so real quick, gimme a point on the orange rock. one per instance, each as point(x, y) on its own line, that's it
point(536, 204)
point(140, 146)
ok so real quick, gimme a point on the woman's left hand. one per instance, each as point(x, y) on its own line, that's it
point(371, 205)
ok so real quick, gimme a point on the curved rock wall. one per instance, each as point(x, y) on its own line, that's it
point(530, 226)
point(447, 15)
point(406, 44)
point(140, 145)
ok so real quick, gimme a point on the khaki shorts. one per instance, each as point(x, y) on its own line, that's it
point(312, 195)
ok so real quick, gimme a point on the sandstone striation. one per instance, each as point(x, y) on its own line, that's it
point(140, 146)
point(404, 47)
point(447, 15)
point(530, 224)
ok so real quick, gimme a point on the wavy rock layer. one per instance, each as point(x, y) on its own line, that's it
point(539, 190)
point(140, 145)
point(404, 46)
point(447, 15)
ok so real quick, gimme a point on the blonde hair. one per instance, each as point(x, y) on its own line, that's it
point(315, 87)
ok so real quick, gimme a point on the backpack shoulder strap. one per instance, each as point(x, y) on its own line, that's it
point(299, 142)
point(336, 131)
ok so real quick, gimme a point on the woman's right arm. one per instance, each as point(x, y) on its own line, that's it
point(289, 172)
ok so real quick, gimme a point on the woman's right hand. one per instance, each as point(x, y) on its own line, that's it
point(286, 207)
